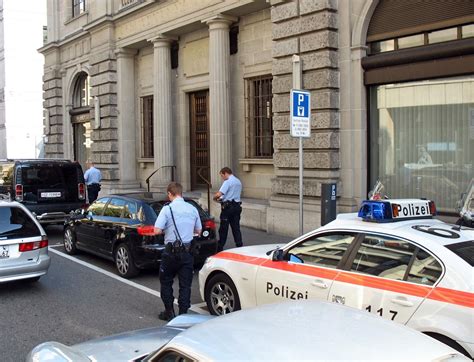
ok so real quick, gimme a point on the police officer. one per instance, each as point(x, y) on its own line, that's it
point(92, 177)
point(229, 197)
point(179, 221)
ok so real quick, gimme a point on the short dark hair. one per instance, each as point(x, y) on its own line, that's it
point(175, 188)
point(226, 170)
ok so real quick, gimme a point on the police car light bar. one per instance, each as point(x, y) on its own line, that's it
point(394, 210)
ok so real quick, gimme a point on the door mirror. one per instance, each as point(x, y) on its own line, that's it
point(277, 255)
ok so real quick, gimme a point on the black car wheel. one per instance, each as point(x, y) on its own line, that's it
point(221, 295)
point(70, 241)
point(124, 262)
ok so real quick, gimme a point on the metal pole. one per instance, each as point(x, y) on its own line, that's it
point(297, 84)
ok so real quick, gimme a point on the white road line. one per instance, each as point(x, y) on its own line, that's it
point(197, 308)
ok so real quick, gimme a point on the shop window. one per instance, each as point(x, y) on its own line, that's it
point(468, 31)
point(443, 35)
point(147, 127)
point(422, 139)
point(78, 7)
point(411, 41)
point(259, 128)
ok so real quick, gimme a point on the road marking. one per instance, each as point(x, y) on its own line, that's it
point(197, 308)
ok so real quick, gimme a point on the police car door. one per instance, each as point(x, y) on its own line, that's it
point(387, 276)
point(307, 270)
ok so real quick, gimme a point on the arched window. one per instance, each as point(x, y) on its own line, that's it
point(81, 95)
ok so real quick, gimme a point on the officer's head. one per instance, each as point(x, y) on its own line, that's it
point(174, 190)
point(225, 172)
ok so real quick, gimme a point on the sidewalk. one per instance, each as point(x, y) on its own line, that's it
point(255, 237)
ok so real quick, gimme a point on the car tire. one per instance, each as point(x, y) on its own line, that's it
point(124, 262)
point(221, 295)
point(70, 241)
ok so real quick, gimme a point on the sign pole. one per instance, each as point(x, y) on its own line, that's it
point(297, 84)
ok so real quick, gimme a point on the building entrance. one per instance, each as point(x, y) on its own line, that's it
point(199, 117)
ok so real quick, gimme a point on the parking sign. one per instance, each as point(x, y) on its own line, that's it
point(300, 109)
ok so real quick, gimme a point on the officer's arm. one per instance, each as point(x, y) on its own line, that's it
point(224, 188)
point(218, 195)
point(197, 224)
point(160, 222)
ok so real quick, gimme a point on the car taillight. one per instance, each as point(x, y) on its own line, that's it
point(432, 207)
point(147, 230)
point(19, 192)
point(81, 189)
point(34, 245)
point(209, 224)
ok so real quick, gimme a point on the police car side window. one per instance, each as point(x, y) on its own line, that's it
point(322, 250)
point(425, 269)
point(382, 256)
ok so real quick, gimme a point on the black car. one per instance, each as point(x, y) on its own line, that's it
point(120, 228)
point(49, 188)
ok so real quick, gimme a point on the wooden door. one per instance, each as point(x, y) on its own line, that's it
point(199, 117)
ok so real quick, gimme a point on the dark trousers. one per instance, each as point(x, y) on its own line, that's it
point(173, 264)
point(93, 192)
point(230, 215)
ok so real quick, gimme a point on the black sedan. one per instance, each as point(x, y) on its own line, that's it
point(121, 228)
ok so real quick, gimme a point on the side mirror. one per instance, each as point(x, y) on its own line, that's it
point(277, 255)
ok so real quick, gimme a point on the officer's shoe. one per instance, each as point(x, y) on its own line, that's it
point(167, 315)
point(239, 245)
point(183, 311)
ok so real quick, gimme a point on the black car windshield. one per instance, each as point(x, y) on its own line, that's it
point(464, 250)
point(157, 206)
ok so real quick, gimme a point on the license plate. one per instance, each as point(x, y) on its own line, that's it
point(50, 194)
point(4, 252)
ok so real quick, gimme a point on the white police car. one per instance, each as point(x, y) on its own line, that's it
point(405, 266)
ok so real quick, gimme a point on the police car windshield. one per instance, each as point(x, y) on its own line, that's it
point(464, 250)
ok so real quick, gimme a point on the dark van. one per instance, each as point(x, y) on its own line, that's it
point(49, 188)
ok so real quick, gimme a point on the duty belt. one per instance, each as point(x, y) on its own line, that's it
point(178, 247)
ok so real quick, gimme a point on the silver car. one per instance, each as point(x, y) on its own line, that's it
point(291, 331)
point(23, 244)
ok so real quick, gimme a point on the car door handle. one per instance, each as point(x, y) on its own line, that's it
point(403, 301)
point(320, 284)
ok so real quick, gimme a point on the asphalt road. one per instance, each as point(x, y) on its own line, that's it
point(83, 298)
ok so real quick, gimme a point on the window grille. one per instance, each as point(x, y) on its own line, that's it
point(259, 127)
point(147, 126)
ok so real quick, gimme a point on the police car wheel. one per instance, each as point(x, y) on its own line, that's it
point(70, 241)
point(221, 295)
point(124, 262)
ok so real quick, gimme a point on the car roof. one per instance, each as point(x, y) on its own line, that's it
point(409, 229)
point(305, 330)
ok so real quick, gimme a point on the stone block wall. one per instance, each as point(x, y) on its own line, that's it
point(52, 102)
point(103, 78)
point(308, 28)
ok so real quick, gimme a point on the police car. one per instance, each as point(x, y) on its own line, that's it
point(391, 259)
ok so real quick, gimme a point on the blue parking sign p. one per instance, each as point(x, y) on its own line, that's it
point(300, 104)
point(300, 110)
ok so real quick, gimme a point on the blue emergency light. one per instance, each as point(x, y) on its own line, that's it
point(394, 210)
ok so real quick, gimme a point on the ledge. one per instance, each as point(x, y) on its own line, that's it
point(144, 161)
point(247, 162)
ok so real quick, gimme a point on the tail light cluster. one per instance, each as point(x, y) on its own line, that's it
point(147, 230)
point(34, 245)
point(81, 190)
point(209, 224)
point(19, 192)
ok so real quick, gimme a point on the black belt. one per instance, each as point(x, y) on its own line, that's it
point(94, 184)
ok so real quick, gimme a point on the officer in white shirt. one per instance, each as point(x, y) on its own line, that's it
point(179, 221)
point(229, 197)
point(92, 177)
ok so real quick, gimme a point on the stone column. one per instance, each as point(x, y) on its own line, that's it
point(127, 173)
point(220, 123)
point(162, 111)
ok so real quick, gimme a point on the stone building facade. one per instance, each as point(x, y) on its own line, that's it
point(137, 85)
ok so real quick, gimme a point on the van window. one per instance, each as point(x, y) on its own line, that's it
point(15, 223)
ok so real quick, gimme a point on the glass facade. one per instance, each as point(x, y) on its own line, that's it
point(422, 139)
